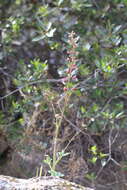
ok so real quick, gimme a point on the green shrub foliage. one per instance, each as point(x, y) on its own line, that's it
point(34, 38)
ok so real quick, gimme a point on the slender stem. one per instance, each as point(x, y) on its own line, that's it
point(59, 119)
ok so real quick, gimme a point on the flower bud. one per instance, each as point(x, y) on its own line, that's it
point(65, 88)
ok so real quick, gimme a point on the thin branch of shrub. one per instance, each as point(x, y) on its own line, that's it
point(109, 154)
point(45, 81)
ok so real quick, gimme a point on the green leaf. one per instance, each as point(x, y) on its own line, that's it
point(83, 110)
point(91, 176)
point(88, 5)
point(95, 108)
point(50, 34)
point(103, 162)
point(48, 161)
point(49, 26)
point(101, 155)
point(119, 115)
point(117, 28)
point(93, 160)
point(43, 10)
point(94, 149)
point(38, 38)
point(60, 2)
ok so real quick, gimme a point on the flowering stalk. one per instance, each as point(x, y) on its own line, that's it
point(71, 63)
point(68, 81)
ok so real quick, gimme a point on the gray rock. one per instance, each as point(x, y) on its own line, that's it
point(38, 183)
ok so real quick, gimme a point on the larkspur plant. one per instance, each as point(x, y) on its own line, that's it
point(69, 81)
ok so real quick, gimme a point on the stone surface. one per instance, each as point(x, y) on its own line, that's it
point(38, 183)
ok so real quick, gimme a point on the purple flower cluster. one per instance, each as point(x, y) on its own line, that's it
point(71, 71)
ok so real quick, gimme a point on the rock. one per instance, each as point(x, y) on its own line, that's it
point(38, 183)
